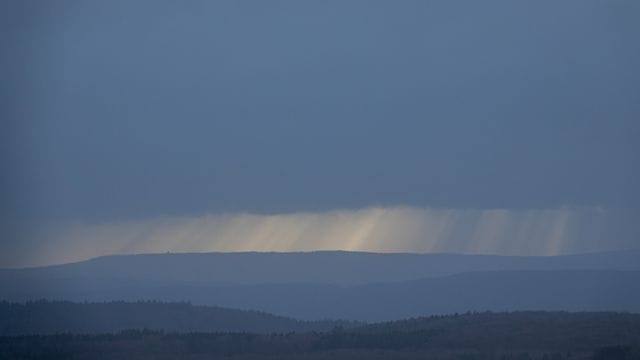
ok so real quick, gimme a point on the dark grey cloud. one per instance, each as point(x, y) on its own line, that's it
point(126, 109)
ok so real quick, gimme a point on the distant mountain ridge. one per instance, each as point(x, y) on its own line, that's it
point(342, 285)
point(326, 267)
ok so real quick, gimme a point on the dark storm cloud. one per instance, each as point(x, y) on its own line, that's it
point(127, 109)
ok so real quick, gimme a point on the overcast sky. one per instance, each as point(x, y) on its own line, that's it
point(133, 110)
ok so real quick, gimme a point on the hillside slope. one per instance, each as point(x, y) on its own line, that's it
point(45, 317)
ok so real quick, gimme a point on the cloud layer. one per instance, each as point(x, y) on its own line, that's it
point(393, 229)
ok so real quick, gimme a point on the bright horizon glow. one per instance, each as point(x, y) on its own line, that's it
point(374, 229)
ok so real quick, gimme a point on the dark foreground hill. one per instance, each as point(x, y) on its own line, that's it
point(520, 335)
point(45, 317)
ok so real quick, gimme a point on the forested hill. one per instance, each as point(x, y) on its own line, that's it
point(51, 317)
point(527, 328)
point(493, 336)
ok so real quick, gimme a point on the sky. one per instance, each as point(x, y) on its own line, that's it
point(126, 112)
